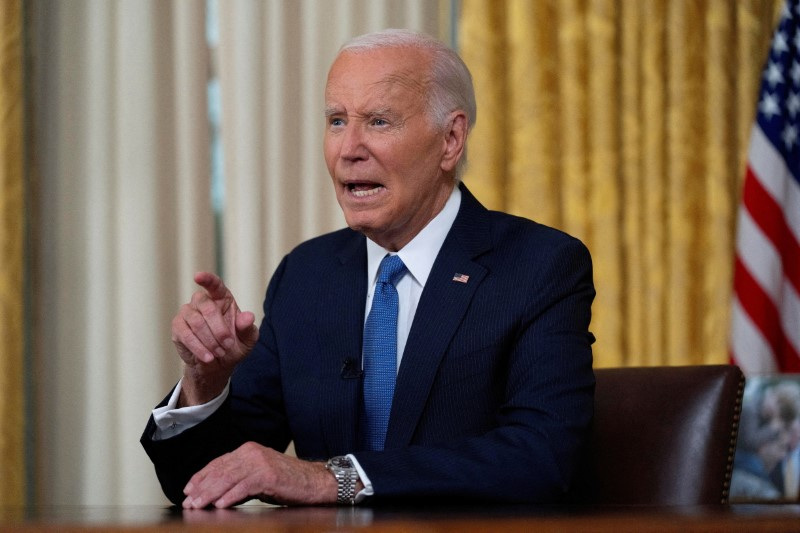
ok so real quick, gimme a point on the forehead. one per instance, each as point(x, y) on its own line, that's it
point(377, 75)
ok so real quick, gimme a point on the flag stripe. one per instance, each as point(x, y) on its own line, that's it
point(769, 217)
point(765, 316)
point(774, 176)
point(790, 316)
point(759, 254)
point(761, 261)
point(748, 346)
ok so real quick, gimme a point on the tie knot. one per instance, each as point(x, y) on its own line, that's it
point(391, 269)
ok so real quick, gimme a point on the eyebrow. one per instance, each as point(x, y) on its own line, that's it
point(386, 111)
point(383, 111)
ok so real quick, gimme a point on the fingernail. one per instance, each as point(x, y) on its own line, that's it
point(228, 344)
point(220, 352)
point(188, 488)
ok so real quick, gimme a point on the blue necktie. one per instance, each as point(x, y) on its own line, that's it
point(380, 352)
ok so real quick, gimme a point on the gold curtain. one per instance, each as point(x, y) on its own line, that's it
point(12, 427)
point(625, 123)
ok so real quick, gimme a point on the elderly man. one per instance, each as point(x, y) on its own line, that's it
point(434, 349)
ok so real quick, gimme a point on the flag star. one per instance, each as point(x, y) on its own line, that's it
point(779, 44)
point(773, 74)
point(769, 105)
point(789, 136)
point(795, 72)
point(793, 103)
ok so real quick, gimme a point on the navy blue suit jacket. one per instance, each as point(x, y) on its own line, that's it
point(494, 393)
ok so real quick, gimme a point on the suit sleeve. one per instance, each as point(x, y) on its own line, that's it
point(532, 452)
point(246, 415)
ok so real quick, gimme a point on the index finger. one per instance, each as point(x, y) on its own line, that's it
point(213, 285)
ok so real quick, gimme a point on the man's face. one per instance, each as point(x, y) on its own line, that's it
point(387, 160)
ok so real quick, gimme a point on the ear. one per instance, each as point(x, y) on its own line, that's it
point(455, 140)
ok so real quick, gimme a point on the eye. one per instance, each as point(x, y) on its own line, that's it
point(380, 122)
point(335, 121)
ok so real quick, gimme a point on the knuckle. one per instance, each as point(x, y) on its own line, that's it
point(206, 307)
point(248, 447)
point(179, 320)
point(229, 478)
point(195, 321)
point(196, 298)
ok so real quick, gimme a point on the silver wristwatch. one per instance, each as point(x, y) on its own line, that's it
point(346, 476)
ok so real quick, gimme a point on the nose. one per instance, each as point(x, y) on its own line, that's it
point(353, 147)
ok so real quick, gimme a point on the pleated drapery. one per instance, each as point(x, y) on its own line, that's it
point(12, 260)
point(625, 123)
point(120, 157)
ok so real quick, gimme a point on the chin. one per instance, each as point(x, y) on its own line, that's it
point(370, 230)
point(356, 224)
point(359, 220)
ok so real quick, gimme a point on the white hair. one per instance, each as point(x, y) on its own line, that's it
point(450, 86)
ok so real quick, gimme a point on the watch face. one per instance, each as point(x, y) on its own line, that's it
point(341, 462)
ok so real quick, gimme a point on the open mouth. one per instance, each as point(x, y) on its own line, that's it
point(364, 189)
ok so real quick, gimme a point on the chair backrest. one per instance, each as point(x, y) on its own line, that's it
point(662, 436)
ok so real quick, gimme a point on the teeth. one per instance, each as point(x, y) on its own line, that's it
point(367, 192)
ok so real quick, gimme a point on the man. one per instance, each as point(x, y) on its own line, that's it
point(761, 445)
point(786, 399)
point(491, 366)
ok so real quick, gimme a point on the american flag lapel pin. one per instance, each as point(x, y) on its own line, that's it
point(461, 278)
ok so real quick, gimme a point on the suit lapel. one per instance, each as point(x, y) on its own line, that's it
point(441, 308)
point(341, 323)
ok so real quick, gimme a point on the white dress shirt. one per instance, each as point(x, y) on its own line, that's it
point(418, 256)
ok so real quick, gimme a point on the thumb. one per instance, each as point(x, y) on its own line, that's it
point(246, 328)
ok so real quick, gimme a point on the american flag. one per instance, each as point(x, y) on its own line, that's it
point(765, 324)
point(461, 278)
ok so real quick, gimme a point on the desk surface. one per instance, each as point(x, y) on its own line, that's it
point(766, 518)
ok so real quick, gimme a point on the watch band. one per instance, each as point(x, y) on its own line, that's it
point(346, 476)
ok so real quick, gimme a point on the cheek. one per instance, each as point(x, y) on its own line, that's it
point(329, 154)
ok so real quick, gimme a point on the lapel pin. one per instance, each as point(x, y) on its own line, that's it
point(461, 278)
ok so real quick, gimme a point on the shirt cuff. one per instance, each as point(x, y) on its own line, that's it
point(171, 420)
point(367, 490)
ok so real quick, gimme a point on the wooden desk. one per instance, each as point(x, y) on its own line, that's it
point(267, 519)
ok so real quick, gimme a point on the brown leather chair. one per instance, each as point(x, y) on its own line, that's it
point(662, 436)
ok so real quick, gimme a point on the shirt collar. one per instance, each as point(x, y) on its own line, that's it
point(420, 253)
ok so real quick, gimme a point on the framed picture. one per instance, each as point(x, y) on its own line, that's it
point(766, 464)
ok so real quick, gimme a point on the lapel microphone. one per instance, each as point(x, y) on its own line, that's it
point(351, 369)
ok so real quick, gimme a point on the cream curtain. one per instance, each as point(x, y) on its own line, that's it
point(122, 214)
point(12, 235)
point(123, 219)
point(625, 123)
point(273, 61)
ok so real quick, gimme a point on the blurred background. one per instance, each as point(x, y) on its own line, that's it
point(144, 140)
